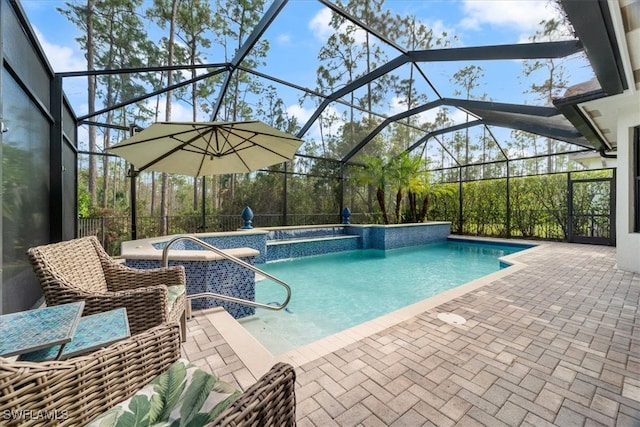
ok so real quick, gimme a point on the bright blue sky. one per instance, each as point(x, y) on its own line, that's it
point(302, 27)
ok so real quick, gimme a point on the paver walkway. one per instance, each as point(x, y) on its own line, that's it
point(555, 343)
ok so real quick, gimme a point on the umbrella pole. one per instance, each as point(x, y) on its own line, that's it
point(204, 219)
point(134, 229)
point(284, 195)
point(133, 128)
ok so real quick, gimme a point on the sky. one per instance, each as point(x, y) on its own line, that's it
point(302, 27)
point(519, 18)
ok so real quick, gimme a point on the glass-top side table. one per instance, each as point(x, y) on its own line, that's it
point(32, 330)
point(93, 332)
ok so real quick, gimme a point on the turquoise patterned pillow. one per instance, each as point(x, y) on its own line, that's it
point(184, 395)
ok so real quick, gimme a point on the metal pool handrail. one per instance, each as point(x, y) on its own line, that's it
point(165, 262)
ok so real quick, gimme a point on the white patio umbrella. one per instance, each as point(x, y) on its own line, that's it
point(204, 148)
point(207, 148)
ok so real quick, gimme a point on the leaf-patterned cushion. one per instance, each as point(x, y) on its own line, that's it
point(184, 395)
point(174, 292)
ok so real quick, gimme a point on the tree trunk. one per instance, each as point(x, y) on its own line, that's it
point(105, 165)
point(195, 194)
point(91, 101)
point(412, 206)
point(164, 205)
point(425, 209)
point(215, 200)
point(383, 205)
point(194, 116)
point(398, 203)
point(152, 209)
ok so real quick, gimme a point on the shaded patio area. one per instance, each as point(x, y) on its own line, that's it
point(554, 341)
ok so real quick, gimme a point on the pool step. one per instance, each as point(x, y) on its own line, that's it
point(268, 338)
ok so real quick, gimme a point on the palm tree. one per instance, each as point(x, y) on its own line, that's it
point(418, 186)
point(375, 173)
point(421, 186)
point(403, 173)
point(411, 175)
point(403, 170)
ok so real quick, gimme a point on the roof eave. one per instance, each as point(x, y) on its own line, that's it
point(595, 29)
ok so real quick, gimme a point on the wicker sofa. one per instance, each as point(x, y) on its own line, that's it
point(75, 392)
point(81, 270)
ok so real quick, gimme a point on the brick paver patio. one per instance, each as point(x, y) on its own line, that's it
point(554, 343)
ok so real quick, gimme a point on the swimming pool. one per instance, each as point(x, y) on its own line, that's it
point(334, 292)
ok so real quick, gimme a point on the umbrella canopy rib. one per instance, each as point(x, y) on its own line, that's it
point(232, 150)
point(177, 148)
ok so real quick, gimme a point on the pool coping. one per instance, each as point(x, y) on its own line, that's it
point(144, 249)
point(258, 359)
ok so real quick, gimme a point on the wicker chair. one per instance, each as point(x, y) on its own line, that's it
point(75, 391)
point(81, 270)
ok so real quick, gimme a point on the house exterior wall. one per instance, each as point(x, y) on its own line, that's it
point(628, 241)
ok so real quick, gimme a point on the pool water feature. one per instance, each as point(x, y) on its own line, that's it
point(334, 292)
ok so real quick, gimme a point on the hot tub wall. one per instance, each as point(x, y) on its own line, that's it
point(222, 276)
point(400, 235)
point(304, 232)
point(254, 240)
point(295, 242)
point(307, 247)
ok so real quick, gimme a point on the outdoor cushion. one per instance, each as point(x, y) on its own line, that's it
point(182, 395)
point(174, 292)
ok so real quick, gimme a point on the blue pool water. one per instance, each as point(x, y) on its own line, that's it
point(334, 292)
